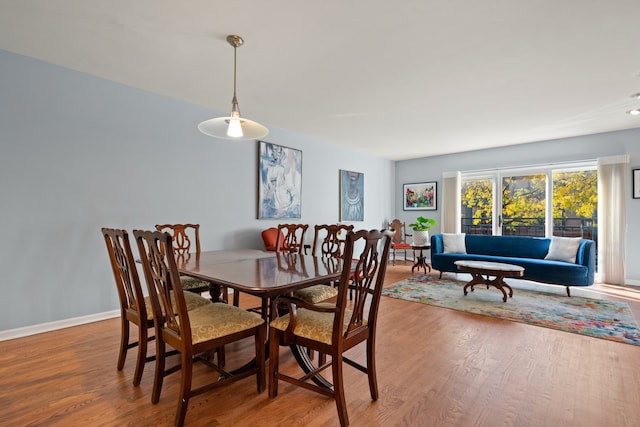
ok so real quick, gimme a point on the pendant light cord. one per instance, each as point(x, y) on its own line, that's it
point(234, 101)
point(235, 52)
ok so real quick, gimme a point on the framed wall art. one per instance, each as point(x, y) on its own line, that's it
point(351, 196)
point(636, 183)
point(280, 181)
point(420, 197)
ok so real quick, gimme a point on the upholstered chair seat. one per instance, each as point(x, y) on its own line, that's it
point(194, 285)
point(315, 294)
point(192, 300)
point(218, 320)
point(311, 324)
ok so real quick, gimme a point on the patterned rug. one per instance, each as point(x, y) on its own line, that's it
point(610, 320)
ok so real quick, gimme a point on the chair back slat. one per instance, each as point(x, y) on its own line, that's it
point(125, 272)
point(163, 282)
point(291, 237)
point(329, 239)
point(365, 280)
point(185, 238)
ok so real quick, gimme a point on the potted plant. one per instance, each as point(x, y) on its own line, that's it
point(421, 230)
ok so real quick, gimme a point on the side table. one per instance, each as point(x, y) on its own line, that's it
point(421, 260)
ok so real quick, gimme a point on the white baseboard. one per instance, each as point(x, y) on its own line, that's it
point(59, 324)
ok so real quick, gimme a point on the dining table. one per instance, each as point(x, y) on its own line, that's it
point(265, 275)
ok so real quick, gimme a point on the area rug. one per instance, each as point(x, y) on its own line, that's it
point(610, 320)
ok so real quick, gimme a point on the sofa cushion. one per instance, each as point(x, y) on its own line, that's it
point(454, 243)
point(563, 249)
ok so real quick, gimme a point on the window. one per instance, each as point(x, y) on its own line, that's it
point(559, 200)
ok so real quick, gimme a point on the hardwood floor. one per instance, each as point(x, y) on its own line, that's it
point(436, 367)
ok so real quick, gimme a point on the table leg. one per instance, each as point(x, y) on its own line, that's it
point(421, 261)
point(215, 292)
point(498, 282)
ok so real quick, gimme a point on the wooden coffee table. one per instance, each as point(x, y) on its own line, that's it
point(499, 270)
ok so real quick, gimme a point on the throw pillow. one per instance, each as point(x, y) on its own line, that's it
point(454, 243)
point(563, 249)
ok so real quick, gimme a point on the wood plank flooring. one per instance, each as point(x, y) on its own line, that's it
point(436, 367)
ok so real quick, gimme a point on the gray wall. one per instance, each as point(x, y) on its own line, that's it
point(78, 153)
point(561, 150)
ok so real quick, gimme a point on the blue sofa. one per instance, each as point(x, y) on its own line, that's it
point(528, 252)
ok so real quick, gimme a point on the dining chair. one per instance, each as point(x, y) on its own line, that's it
point(328, 242)
point(288, 238)
point(134, 306)
point(332, 329)
point(399, 242)
point(291, 237)
point(194, 334)
point(186, 243)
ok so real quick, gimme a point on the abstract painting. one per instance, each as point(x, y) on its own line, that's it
point(280, 181)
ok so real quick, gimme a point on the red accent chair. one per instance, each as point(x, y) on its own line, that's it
point(270, 238)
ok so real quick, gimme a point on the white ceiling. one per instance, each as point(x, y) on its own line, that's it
point(397, 79)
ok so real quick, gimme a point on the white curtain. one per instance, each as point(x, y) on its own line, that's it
point(612, 201)
point(451, 202)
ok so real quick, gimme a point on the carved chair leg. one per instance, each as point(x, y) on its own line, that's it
point(185, 388)
point(124, 342)
point(142, 354)
point(261, 378)
point(338, 389)
point(222, 360)
point(371, 369)
point(274, 354)
point(159, 371)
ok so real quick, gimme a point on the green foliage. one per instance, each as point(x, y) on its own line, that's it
point(477, 194)
point(524, 197)
point(423, 224)
point(574, 195)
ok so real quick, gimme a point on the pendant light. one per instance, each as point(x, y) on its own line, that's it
point(233, 127)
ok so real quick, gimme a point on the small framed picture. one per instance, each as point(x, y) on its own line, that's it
point(420, 197)
point(636, 183)
point(351, 196)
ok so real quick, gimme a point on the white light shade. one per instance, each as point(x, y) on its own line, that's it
point(235, 129)
point(219, 128)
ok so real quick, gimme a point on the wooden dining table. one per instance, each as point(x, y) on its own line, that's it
point(265, 275)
